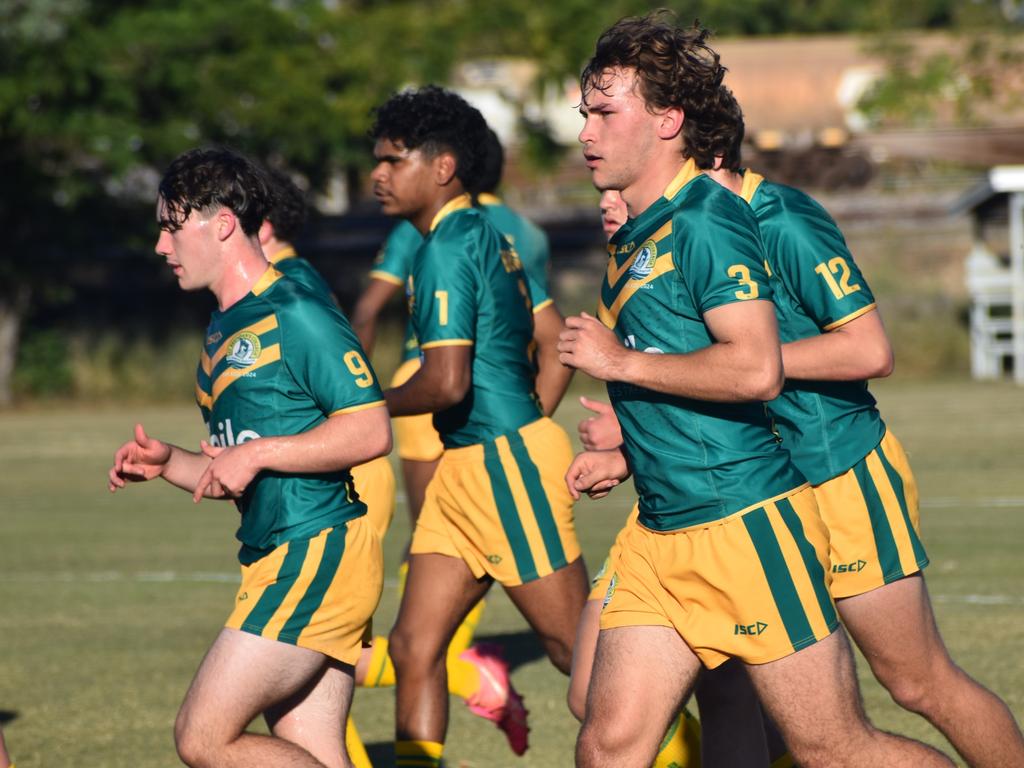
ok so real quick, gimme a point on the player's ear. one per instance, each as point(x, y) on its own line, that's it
point(445, 165)
point(670, 123)
point(226, 223)
point(266, 232)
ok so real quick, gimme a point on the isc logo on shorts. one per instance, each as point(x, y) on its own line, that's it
point(856, 567)
point(750, 629)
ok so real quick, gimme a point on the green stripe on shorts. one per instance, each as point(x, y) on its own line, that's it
point(275, 594)
point(539, 501)
point(508, 513)
point(811, 563)
point(334, 548)
point(780, 582)
point(901, 496)
point(885, 542)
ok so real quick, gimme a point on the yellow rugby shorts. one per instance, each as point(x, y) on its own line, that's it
point(375, 484)
point(599, 584)
point(502, 506)
point(416, 437)
point(317, 593)
point(873, 521)
point(752, 586)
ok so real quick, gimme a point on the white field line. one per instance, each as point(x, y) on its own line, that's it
point(949, 502)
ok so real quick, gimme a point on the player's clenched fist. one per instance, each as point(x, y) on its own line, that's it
point(586, 344)
point(595, 473)
point(138, 460)
point(601, 431)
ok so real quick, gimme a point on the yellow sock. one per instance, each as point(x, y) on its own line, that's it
point(464, 634)
point(403, 574)
point(463, 677)
point(354, 745)
point(681, 746)
point(418, 754)
point(380, 672)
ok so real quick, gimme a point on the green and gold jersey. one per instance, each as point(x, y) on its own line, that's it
point(827, 426)
point(394, 265)
point(522, 234)
point(291, 265)
point(279, 362)
point(468, 287)
point(394, 261)
point(694, 249)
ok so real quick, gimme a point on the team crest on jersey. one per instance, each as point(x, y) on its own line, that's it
point(643, 263)
point(245, 350)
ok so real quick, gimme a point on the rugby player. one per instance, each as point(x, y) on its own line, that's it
point(495, 509)
point(833, 342)
point(728, 557)
point(291, 404)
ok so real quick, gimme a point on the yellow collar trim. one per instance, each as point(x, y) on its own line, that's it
point(486, 198)
point(686, 174)
point(455, 204)
point(284, 253)
point(751, 181)
point(266, 280)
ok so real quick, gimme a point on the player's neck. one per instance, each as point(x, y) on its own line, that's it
point(244, 265)
point(424, 218)
point(651, 184)
point(273, 247)
point(731, 180)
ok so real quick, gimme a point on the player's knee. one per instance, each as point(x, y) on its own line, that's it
point(911, 693)
point(607, 743)
point(193, 749)
point(560, 653)
point(409, 649)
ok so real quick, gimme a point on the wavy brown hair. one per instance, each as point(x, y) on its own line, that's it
point(675, 67)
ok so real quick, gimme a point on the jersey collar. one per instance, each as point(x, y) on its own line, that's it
point(455, 204)
point(686, 174)
point(285, 253)
point(486, 198)
point(751, 181)
point(266, 280)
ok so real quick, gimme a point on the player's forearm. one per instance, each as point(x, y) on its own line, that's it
point(184, 468)
point(342, 441)
point(552, 379)
point(855, 353)
point(442, 381)
point(723, 372)
point(368, 309)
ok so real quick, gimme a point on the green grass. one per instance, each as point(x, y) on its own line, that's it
point(110, 601)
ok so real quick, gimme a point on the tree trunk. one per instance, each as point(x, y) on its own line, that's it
point(12, 310)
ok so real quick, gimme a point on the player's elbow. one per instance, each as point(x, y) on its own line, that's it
point(453, 388)
point(377, 440)
point(880, 361)
point(766, 380)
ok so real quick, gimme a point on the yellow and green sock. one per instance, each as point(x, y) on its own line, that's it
point(418, 754)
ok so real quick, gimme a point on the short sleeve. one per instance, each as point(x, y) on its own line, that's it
point(394, 260)
point(810, 255)
point(326, 360)
point(444, 290)
point(722, 258)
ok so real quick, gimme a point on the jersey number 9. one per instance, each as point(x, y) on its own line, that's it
point(358, 368)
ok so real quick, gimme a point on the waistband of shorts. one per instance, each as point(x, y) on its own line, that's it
point(731, 517)
point(475, 452)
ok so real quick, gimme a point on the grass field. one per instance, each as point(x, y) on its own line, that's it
point(110, 601)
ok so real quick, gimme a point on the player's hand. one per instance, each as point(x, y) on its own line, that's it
point(138, 460)
point(595, 473)
point(587, 345)
point(229, 472)
point(599, 432)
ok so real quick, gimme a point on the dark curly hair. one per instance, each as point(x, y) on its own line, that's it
point(675, 67)
point(435, 120)
point(492, 164)
point(206, 179)
point(726, 136)
point(290, 207)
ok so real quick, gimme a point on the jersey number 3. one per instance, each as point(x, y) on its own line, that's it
point(742, 273)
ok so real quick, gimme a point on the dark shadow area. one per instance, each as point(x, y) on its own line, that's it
point(7, 716)
point(381, 753)
point(519, 647)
